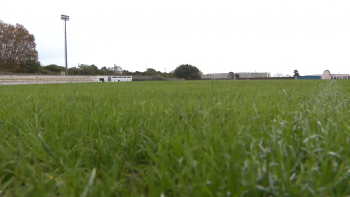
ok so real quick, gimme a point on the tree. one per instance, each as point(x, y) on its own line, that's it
point(296, 73)
point(16, 45)
point(117, 69)
point(73, 71)
point(151, 71)
point(233, 75)
point(171, 74)
point(54, 68)
point(187, 71)
point(105, 71)
point(126, 72)
point(32, 66)
point(88, 69)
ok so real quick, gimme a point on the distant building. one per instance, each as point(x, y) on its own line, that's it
point(242, 75)
point(327, 75)
point(253, 75)
point(216, 76)
point(340, 76)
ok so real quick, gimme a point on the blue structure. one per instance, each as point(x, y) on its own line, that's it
point(309, 77)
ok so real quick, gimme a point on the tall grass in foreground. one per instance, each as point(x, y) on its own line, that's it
point(192, 138)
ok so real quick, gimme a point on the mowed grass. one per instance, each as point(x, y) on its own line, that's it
point(191, 138)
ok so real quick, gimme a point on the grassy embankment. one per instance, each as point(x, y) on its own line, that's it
point(192, 138)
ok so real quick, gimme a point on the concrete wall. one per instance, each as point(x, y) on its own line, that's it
point(52, 79)
point(216, 76)
point(241, 75)
point(174, 79)
point(264, 78)
point(147, 78)
point(269, 78)
point(309, 77)
point(42, 79)
point(253, 75)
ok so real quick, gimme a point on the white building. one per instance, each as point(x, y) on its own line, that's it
point(327, 75)
point(103, 78)
point(254, 75)
point(216, 76)
point(340, 76)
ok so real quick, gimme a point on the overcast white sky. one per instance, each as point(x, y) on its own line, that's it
point(274, 36)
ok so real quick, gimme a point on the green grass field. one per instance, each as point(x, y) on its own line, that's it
point(191, 138)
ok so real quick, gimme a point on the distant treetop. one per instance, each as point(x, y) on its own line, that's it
point(188, 72)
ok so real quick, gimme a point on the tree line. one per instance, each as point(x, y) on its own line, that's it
point(17, 46)
point(18, 54)
point(296, 73)
point(186, 71)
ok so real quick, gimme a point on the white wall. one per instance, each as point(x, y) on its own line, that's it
point(47, 79)
point(216, 76)
point(253, 75)
point(113, 78)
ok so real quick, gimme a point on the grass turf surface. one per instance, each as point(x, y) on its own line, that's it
point(192, 138)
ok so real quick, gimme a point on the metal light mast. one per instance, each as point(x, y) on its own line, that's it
point(65, 18)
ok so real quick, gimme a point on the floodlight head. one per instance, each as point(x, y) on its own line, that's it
point(64, 17)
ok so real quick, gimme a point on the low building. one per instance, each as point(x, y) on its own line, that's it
point(216, 76)
point(103, 78)
point(340, 76)
point(254, 75)
point(242, 75)
point(327, 75)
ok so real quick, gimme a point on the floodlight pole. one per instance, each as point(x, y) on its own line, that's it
point(65, 18)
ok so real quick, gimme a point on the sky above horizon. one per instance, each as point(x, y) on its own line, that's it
point(220, 36)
